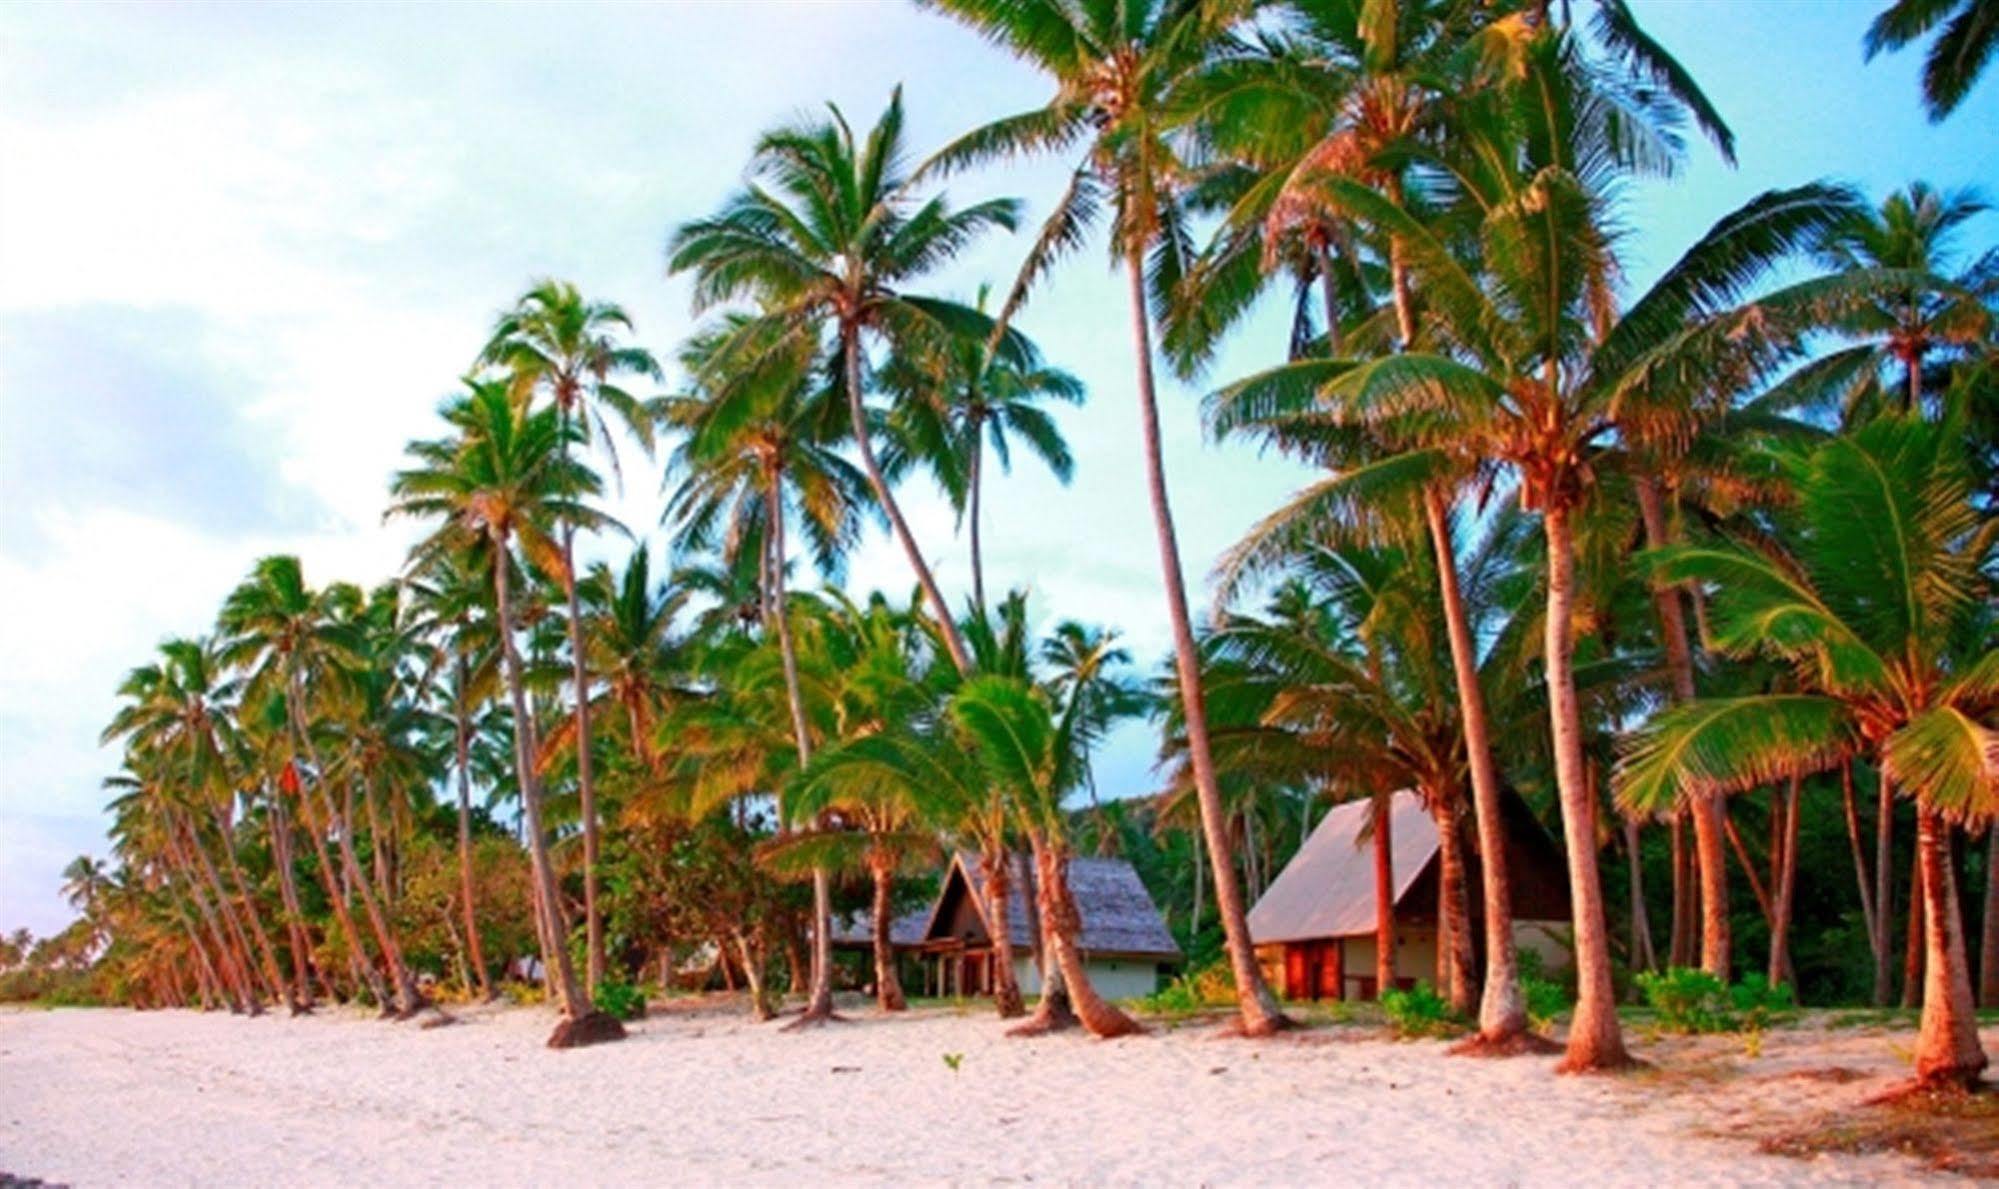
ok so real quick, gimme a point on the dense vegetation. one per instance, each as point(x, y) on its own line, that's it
point(1704, 572)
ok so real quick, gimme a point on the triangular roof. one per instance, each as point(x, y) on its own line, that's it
point(1118, 914)
point(1327, 889)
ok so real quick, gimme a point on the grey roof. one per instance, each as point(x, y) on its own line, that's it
point(1327, 889)
point(1118, 914)
point(858, 928)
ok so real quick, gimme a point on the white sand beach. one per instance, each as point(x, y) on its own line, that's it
point(699, 1095)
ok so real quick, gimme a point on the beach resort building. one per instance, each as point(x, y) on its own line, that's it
point(1314, 928)
point(1126, 945)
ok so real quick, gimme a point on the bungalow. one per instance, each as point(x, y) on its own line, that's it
point(1314, 928)
point(1125, 944)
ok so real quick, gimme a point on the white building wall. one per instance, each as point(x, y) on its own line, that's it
point(1114, 978)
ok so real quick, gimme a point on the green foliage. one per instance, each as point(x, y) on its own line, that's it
point(1202, 989)
point(1692, 1002)
point(621, 999)
point(954, 1060)
point(1419, 1012)
point(1545, 997)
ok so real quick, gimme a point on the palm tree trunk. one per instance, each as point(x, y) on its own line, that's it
point(1643, 956)
point(1502, 1013)
point(1988, 945)
point(976, 477)
point(295, 926)
point(1384, 899)
point(350, 935)
point(753, 974)
point(241, 952)
point(1595, 1039)
point(1063, 925)
point(1884, 888)
point(819, 1002)
point(1684, 938)
point(1706, 809)
point(1913, 952)
point(1454, 909)
point(385, 935)
point(1260, 1012)
point(555, 951)
point(462, 742)
point(266, 952)
point(235, 978)
point(1868, 914)
point(1948, 1054)
point(947, 625)
point(208, 983)
point(586, 785)
point(993, 862)
point(1786, 889)
point(888, 985)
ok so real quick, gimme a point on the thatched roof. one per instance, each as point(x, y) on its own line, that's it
point(858, 928)
point(1118, 914)
point(1327, 890)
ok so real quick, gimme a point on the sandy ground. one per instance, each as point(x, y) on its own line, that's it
point(700, 1096)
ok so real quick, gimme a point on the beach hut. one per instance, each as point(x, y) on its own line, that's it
point(1126, 946)
point(1314, 928)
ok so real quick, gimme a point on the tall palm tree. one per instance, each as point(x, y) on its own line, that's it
point(828, 250)
point(1114, 64)
point(1881, 603)
point(507, 478)
point(554, 341)
point(760, 443)
point(1958, 55)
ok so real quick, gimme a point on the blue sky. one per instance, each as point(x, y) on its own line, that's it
point(244, 249)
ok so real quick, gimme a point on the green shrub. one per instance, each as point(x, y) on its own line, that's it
point(1198, 990)
point(1544, 997)
point(1419, 1011)
point(620, 999)
point(1692, 1001)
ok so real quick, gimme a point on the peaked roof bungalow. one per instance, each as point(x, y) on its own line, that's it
point(1313, 928)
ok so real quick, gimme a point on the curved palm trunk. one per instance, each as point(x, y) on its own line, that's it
point(241, 953)
point(1988, 948)
point(1454, 948)
point(407, 1002)
point(1948, 1054)
point(1869, 916)
point(1063, 925)
point(819, 1000)
point(1502, 1013)
point(343, 916)
point(1884, 889)
point(555, 955)
point(954, 641)
point(266, 952)
point(1595, 1039)
point(463, 745)
point(1007, 999)
point(888, 986)
point(1260, 1013)
point(977, 474)
point(752, 953)
point(234, 977)
point(1784, 882)
point(207, 982)
point(1707, 810)
point(295, 927)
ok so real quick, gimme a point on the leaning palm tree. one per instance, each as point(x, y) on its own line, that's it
point(1114, 66)
point(828, 251)
point(1880, 601)
point(556, 342)
point(507, 479)
point(1032, 756)
point(1958, 55)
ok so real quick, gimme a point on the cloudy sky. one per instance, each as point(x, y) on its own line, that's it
point(245, 249)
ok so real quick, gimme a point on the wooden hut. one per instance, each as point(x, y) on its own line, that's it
point(1125, 945)
point(1314, 928)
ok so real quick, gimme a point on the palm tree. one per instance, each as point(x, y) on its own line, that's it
point(1032, 757)
point(761, 441)
point(632, 647)
point(1114, 65)
point(507, 478)
point(1958, 55)
point(951, 402)
point(554, 341)
point(1881, 605)
point(827, 250)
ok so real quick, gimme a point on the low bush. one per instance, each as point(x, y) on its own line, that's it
point(621, 999)
point(1210, 986)
point(1418, 1012)
point(1690, 1001)
point(1544, 997)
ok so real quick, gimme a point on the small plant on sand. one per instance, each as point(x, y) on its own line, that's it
point(1418, 1012)
point(954, 1060)
point(621, 999)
